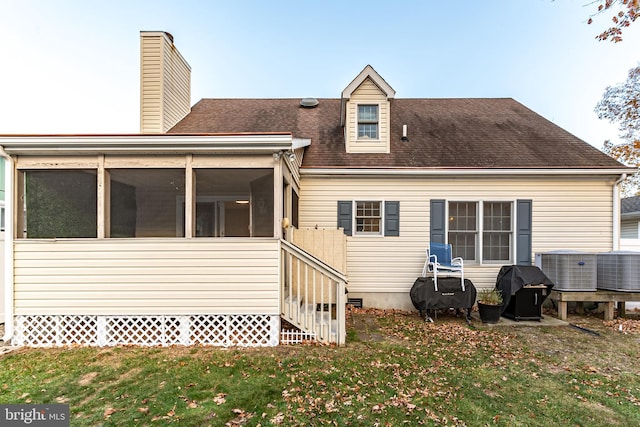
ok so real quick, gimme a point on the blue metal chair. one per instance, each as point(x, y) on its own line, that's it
point(439, 261)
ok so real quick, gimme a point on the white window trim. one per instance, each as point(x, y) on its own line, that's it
point(480, 229)
point(354, 220)
point(358, 139)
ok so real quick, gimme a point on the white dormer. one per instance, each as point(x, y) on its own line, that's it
point(366, 116)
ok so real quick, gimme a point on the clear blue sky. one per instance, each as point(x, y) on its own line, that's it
point(73, 66)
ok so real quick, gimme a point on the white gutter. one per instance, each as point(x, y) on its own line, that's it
point(8, 246)
point(616, 212)
point(164, 143)
point(459, 171)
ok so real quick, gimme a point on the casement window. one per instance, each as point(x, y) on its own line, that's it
point(369, 217)
point(368, 122)
point(487, 232)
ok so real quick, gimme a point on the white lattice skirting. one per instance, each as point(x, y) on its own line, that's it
point(255, 330)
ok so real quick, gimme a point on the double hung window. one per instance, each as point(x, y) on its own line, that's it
point(368, 218)
point(481, 231)
point(368, 121)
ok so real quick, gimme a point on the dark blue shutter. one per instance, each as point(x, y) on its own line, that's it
point(523, 232)
point(391, 218)
point(345, 211)
point(438, 224)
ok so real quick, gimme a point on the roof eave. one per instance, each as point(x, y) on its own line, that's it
point(464, 171)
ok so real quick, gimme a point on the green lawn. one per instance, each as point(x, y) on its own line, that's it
point(445, 373)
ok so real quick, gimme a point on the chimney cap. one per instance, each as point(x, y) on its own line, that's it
point(145, 33)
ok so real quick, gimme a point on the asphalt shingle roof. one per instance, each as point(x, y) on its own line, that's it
point(443, 133)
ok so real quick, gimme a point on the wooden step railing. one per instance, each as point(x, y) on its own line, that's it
point(313, 294)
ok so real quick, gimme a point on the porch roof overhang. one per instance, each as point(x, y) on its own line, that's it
point(241, 143)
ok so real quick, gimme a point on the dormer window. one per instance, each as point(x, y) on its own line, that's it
point(367, 122)
point(366, 118)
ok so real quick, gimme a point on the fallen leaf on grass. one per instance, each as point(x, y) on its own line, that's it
point(109, 411)
point(220, 399)
point(278, 419)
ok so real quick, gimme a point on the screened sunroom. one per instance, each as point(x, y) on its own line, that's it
point(151, 240)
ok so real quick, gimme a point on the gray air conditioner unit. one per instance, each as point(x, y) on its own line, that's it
point(569, 270)
point(619, 271)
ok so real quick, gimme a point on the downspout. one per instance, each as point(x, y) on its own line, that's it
point(8, 246)
point(616, 212)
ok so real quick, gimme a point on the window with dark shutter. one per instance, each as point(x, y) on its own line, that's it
point(370, 216)
point(438, 224)
point(392, 218)
point(523, 233)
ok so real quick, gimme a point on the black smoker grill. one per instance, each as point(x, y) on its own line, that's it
point(425, 298)
point(524, 289)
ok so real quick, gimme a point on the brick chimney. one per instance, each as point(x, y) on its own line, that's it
point(165, 83)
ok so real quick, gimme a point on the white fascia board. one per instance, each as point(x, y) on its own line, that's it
point(460, 172)
point(300, 143)
point(146, 144)
point(369, 72)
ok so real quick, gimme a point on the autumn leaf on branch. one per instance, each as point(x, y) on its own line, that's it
point(620, 104)
point(623, 14)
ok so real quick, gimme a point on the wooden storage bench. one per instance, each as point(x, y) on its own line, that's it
point(607, 297)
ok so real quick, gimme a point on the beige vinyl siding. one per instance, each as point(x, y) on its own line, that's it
point(152, 221)
point(147, 276)
point(151, 84)
point(367, 93)
point(568, 213)
point(165, 89)
point(176, 87)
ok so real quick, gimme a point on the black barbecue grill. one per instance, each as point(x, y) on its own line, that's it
point(427, 299)
point(524, 289)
